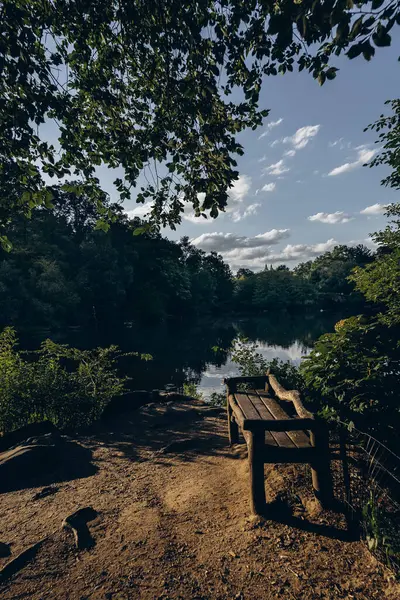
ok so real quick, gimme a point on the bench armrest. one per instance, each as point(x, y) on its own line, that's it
point(290, 396)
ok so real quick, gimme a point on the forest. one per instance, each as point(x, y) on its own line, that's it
point(63, 271)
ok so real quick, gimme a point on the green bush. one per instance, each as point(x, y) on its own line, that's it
point(190, 390)
point(353, 374)
point(64, 385)
point(251, 364)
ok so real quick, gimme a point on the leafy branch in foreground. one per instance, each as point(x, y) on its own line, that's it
point(149, 89)
point(389, 136)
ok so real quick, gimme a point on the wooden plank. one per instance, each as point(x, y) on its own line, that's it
point(281, 438)
point(247, 407)
point(298, 438)
point(266, 415)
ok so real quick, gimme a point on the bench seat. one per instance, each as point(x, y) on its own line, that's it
point(258, 405)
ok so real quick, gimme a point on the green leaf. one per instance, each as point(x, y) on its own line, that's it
point(140, 230)
point(381, 38)
point(331, 73)
point(5, 243)
point(26, 196)
point(355, 51)
point(368, 51)
point(102, 225)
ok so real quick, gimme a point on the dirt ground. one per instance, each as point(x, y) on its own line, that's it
point(175, 524)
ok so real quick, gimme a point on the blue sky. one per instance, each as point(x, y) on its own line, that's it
point(308, 158)
point(302, 187)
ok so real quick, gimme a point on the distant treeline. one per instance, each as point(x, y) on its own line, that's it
point(65, 271)
point(321, 283)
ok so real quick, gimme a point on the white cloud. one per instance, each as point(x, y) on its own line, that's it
point(189, 214)
point(275, 143)
point(335, 143)
point(331, 218)
point(141, 210)
point(228, 242)
point(250, 210)
point(270, 126)
point(236, 195)
point(240, 188)
point(257, 257)
point(191, 217)
point(289, 153)
point(276, 168)
point(302, 136)
point(374, 209)
point(144, 210)
point(302, 251)
point(268, 187)
point(363, 156)
point(257, 251)
point(262, 158)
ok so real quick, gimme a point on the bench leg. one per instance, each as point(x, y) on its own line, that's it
point(256, 466)
point(321, 468)
point(233, 429)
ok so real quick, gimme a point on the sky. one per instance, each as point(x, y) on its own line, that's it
point(302, 187)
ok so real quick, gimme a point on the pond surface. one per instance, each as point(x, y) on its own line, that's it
point(199, 351)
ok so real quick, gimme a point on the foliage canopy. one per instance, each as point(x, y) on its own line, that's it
point(151, 90)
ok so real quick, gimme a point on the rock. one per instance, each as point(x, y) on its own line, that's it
point(9, 440)
point(77, 523)
point(24, 461)
point(4, 550)
point(43, 460)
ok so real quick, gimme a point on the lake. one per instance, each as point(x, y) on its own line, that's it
point(198, 351)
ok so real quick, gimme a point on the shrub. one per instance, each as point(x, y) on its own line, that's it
point(251, 363)
point(64, 385)
point(353, 374)
point(190, 390)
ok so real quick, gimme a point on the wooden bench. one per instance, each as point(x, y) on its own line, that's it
point(272, 436)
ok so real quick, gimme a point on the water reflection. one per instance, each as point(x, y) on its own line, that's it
point(284, 337)
point(198, 352)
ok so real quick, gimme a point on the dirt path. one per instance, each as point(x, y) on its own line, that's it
point(176, 524)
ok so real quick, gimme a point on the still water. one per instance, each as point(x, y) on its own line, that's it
point(200, 351)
